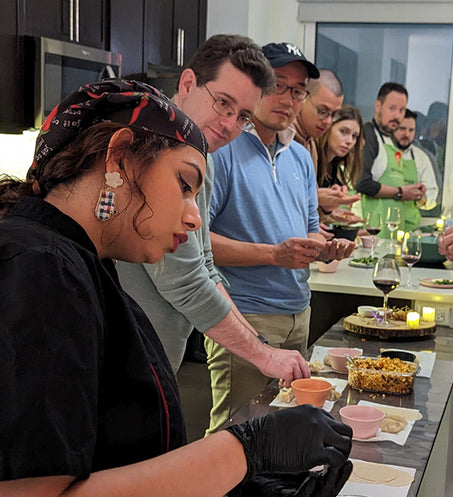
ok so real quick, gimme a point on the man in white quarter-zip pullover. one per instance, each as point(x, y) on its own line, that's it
point(264, 231)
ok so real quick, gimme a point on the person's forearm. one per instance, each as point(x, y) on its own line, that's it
point(207, 468)
point(236, 334)
point(387, 191)
point(229, 252)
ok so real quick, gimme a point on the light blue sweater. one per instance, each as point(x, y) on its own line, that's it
point(255, 199)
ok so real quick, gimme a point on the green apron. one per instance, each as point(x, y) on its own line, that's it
point(399, 172)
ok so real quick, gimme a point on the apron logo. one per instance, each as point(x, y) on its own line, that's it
point(398, 158)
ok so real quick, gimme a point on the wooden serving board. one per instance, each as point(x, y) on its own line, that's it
point(396, 329)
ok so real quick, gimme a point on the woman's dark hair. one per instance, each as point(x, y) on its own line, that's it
point(79, 157)
point(241, 51)
point(352, 162)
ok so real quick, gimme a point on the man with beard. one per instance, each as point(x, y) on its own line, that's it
point(416, 158)
point(385, 181)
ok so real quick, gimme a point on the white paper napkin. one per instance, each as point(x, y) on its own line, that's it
point(319, 353)
point(374, 490)
point(398, 438)
point(338, 383)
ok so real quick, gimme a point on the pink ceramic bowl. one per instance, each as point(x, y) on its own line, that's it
point(311, 391)
point(338, 360)
point(364, 420)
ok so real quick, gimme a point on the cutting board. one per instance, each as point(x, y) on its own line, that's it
point(395, 329)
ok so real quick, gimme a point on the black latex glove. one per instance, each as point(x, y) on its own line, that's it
point(292, 441)
point(306, 484)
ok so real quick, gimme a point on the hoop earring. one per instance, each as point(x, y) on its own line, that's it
point(105, 207)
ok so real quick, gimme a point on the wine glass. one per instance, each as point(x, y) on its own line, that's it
point(386, 277)
point(373, 226)
point(411, 251)
point(392, 221)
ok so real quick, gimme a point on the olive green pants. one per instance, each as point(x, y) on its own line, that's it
point(235, 381)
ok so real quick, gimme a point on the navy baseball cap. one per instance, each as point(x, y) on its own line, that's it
point(280, 54)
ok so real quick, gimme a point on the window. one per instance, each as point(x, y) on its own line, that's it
point(419, 56)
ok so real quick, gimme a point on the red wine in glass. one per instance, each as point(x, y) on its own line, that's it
point(386, 286)
point(386, 277)
point(411, 252)
point(410, 260)
point(373, 226)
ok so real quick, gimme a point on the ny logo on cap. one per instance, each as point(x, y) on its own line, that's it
point(293, 49)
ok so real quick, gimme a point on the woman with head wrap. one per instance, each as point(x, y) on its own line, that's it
point(89, 403)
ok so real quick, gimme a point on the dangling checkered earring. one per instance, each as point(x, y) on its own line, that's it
point(105, 207)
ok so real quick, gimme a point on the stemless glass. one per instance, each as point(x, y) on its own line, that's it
point(386, 277)
point(411, 251)
point(373, 226)
point(392, 221)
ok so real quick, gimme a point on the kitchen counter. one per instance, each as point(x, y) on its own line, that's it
point(340, 293)
point(429, 447)
point(358, 281)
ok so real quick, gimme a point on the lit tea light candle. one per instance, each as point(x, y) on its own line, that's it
point(440, 224)
point(413, 320)
point(399, 236)
point(429, 314)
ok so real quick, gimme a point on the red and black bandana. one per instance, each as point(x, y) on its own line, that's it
point(130, 103)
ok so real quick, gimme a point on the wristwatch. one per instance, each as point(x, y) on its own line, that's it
point(399, 195)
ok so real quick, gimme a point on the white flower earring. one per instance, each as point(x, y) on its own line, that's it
point(105, 207)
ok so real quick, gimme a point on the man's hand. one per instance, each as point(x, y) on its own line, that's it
point(324, 231)
point(415, 191)
point(288, 365)
point(338, 248)
point(296, 253)
point(445, 244)
point(331, 198)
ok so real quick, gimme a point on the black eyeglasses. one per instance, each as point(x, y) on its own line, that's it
point(297, 92)
point(225, 109)
point(323, 114)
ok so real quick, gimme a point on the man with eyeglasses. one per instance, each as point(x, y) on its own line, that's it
point(264, 231)
point(219, 91)
point(315, 118)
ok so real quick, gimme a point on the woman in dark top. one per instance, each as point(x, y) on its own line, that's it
point(339, 150)
point(89, 405)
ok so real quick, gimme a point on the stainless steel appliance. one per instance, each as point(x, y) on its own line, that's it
point(61, 67)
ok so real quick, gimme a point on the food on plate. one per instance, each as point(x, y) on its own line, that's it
point(399, 313)
point(286, 394)
point(315, 366)
point(369, 472)
point(382, 375)
point(392, 423)
point(443, 282)
point(327, 361)
point(334, 394)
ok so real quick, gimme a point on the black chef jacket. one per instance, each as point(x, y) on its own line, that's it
point(84, 381)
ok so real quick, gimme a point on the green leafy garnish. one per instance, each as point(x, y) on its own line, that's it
point(444, 282)
point(366, 260)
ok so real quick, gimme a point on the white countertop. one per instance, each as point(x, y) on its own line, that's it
point(358, 281)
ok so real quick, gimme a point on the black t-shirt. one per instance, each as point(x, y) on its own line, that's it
point(85, 384)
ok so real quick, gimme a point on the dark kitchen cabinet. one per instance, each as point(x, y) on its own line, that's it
point(81, 21)
point(11, 76)
point(165, 33)
point(173, 30)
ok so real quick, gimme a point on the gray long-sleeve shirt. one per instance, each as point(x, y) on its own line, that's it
point(183, 290)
